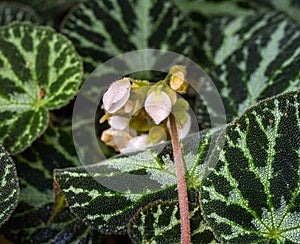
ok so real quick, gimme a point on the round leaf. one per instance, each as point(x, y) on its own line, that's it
point(39, 70)
point(102, 30)
point(13, 11)
point(253, 193)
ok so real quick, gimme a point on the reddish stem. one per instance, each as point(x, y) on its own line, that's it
point(181, 184)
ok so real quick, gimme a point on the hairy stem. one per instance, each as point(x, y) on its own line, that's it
point(181, 184)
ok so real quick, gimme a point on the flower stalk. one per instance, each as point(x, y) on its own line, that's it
point(181, 183)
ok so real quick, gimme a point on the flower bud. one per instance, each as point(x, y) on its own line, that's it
point(158, 105)
point(117, 95)
point(177, 80)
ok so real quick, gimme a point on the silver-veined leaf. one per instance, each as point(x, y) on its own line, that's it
point(256, 56)
point(101, 30)
point(9, 186)
point(13, 11)
point(290, 7)
point(253, 193)
point(106, 195)
point(34, 220)
point(39, 70)
point(211, 9)
point(159, 222)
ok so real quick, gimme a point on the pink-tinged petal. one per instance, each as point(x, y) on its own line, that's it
point(183, 130)
point(158, 105)
point(116, 138)
point(118, 122)
point(117, 95)
point(136, 144)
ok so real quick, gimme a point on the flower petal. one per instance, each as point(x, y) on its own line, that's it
point(118, 122)
point(117, 95)
point(158, 105)
point(137, 143)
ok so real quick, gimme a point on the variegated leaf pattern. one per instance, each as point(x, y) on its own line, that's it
point(9, 186)
point(47, 4)
point(210, 9)
point(253, 193)
point(101, 30)
point(257, 57)
point(107, 195)
point(290, 7)
point(31, 222)
point(12, 11)
point(159, 222)
point(39, 70)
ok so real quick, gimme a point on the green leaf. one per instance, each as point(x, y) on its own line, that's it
point(39, 70)
point(253, 193)
point(210, 9)
point(106, 195)
point(9, 186)
point(35, 220)
point(13, 11)
point(159, 222)
point(102, 30)
point(257, 57)
point(290, 7)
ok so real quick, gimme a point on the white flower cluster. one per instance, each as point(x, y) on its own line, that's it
point(137, 111)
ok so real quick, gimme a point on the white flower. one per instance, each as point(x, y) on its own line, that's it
point(116, 138)
point(177, 80)
point(136, 143)
point(158, 105)
point(117, 95)
point(118, 122)
point(183, 129)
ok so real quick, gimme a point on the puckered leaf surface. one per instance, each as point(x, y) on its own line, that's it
point(101, 30)
point(253, 193)
point(106, 195)
point(256, 56)
point(39, 70)
point(159, 222)
point(13, 11)
point(9, 186)
point(34, 220)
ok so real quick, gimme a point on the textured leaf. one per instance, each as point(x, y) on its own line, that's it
point(10, 12)
point(291, 7)
point(106, 195)
point(102, 30)
point(30, 222)
point(9, 186)
point(159, 222)
point(211, 9)
point(253, 193)
point(39, 70)
point(257, 57)
point(46, 4)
